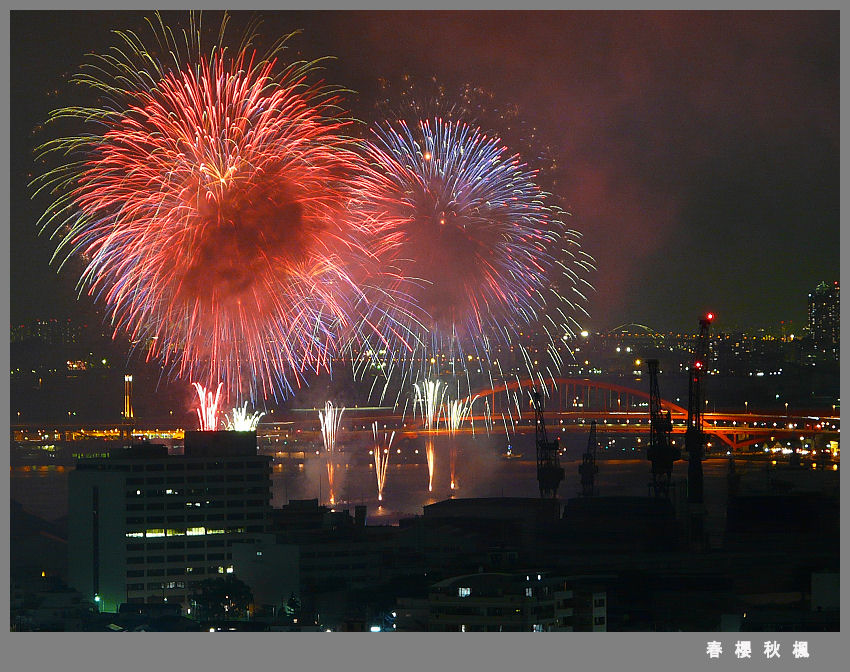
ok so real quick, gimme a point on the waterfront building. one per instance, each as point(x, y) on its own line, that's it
point(145, 525)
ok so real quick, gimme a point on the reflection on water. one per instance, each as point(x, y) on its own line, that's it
point(477, 475)
point(43, 490)
point(480, 471)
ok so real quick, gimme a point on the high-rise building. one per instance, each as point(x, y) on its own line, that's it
point(145, 526)
point(824, 318)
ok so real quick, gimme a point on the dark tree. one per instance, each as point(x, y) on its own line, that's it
point(222, 598)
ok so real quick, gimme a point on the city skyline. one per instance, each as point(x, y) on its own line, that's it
point(680, 153)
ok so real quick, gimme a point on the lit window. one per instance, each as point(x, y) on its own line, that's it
point(528, 592)
point(134, 534)
point(174, 533)
point(157, 532)
point(463, 592)
point(194, 531)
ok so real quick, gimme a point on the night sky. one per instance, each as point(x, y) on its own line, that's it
point(698, 152)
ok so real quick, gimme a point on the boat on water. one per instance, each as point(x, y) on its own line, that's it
point(511, 454)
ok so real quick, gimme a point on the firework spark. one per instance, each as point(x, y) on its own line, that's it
point(457, 411)
point(208, 407)
point(242, 421)
point(205, 199)
point(429, 397)
point(382, 448)
point(330, 420)
point(475, 243)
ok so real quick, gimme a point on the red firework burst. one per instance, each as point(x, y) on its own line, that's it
point(207, 211)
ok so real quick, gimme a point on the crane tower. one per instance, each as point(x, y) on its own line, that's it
point(588, 468)
point(550, 473)
point(694, 437)
point(660, 452)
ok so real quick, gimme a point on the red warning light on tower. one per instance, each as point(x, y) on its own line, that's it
point(697, 365)
point(709, 316)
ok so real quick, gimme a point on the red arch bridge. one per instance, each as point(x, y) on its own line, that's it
point(572, 403)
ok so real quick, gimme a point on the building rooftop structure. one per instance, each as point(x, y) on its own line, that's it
point(519, 601)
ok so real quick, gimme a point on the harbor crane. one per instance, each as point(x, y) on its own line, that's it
point(550, 473)
point(694, 436)
point(660, 452)
point(588, 468)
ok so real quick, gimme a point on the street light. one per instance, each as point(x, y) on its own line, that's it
point(746, 407)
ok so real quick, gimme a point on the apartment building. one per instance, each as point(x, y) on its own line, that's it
point(145, 525)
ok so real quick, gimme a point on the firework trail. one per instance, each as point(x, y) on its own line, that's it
point(382, 457)
point(204, 198)
point(457, 411)
point(242, 421)
point(208, 407)
point(330, 420)
point(429, 398)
